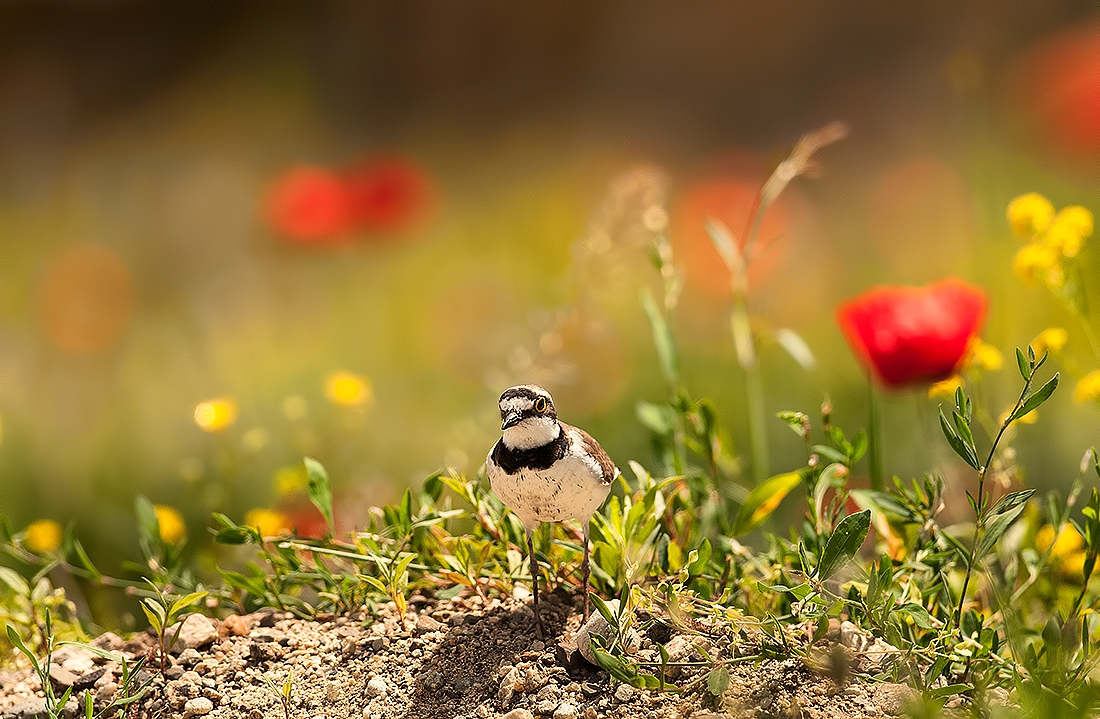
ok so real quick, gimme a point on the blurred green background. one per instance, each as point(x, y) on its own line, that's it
point(141, 272)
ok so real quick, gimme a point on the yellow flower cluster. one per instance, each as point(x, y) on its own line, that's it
point(1051, 238)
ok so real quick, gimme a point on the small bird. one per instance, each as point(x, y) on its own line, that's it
point(546, 471)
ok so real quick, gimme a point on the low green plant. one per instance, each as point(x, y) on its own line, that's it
point(163, 610)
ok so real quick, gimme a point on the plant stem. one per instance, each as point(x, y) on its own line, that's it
point(979, 519)
point(874, 438)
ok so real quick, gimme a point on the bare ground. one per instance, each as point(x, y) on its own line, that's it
point(468, 658)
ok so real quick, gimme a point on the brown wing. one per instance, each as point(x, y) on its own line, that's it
point(608, 470)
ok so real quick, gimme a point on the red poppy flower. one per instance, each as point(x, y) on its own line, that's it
point(310, 205)
point(388, 194)
point(909, 335)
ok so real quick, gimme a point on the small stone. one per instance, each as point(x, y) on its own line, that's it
point(518, 714)
point(77, 660)
point(624, 693)
point(508, 685)
point(458, 619)
point(36, 707)
point(377, 643)
point(255, 714)
point(173, 672)
point(597, 625)
point(109, 641)
point(545, 707)
point(893, 698)
point(189, 657)
point(426, 624)
point(332, 692)
point(105, 693)
point(377, 687)
point(235, 626)
point(61, 677)
point(566, 655)
point(590, 713)
point(195, 631)
point(536, 646)
point(197, 707)
point(565, 711)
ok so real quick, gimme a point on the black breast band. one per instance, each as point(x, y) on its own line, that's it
point(541, 457)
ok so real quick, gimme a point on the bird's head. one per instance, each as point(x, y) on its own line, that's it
point(527, 417)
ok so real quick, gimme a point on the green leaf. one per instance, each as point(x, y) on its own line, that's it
point(15, 581)
point(949, 690)
point(84, 561)
point(997, 529)
point(800, 591)
point(185, 601)
point(763, 500)
point(1012, 500)
point(1021, 362)
point(148, 524)
point(723, 242)
point(797, 421)
point(653, 417)
point(697, 566)
point(154, 617)
point(796, 347)
point(237, 535)
point(718, 681)
point(662, 338)
point(844, 543)
point(961, 448)
point(320, 492)
point(918, 613)
point(1036, 398)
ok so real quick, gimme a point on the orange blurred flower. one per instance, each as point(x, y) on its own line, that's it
point(310, 205)
point(214, 415)
point(85, 299)
point(42, 535)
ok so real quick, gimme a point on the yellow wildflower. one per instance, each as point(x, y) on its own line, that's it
point(1052, 339)
point(1077, 217)
point(1038, 263)
point(1067, 550)
point(1088, 388)
point(42, 535)
point(290, 480)
point(347, 389)
point(172, 526)
point(1030, 214)
point(945, 387)
point(214, 415)
point(983, 356)
point(269, 522)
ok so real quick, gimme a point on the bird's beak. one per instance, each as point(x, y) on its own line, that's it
point(510, 420)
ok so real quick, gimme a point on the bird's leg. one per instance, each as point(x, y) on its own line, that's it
point(534, 583)
point(586, 569)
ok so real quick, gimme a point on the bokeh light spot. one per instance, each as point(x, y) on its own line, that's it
point(85, 299)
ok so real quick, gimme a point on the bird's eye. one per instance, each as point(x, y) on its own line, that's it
point(540, 404)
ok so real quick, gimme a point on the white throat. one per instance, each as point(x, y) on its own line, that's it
point(532, 432)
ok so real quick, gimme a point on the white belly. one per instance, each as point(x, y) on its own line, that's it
point(568, 490)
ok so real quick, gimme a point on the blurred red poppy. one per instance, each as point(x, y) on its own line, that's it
point(910, 335)
point(310, 205)
point(388, 194)
point(1057, 84)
